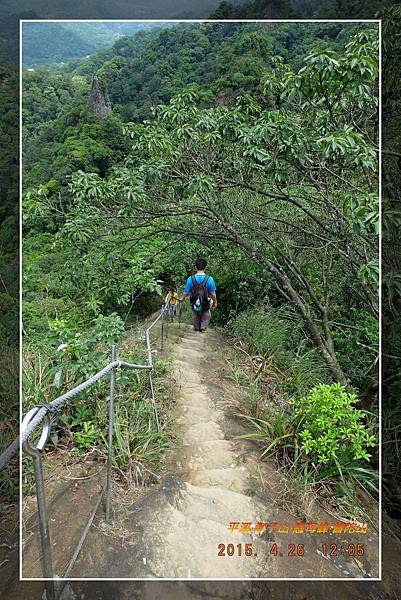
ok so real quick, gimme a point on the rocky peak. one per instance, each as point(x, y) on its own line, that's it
point(99, 100)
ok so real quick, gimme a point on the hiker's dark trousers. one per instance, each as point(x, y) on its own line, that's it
point(201, 321)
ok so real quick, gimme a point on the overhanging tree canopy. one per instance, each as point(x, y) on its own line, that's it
point(290, 179)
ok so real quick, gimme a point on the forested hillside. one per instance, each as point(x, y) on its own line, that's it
point(148, 69)
point(8, 198)
point(391, 261)
point(123, 9)
point(50, 43)
point(301, 9)
point(63, 42)
point(9, 280)
point(268, 168)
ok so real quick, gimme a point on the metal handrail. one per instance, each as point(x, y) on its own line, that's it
point(53, 406)
point(41, 414)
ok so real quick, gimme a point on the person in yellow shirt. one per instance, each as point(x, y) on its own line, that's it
point(171, 301)
point(168, 296)
point(174, 302)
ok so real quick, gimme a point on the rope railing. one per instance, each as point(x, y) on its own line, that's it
point(41, 415)
point(55, 405)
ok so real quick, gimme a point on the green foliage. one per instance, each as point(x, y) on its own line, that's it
point(364, 211)
point(54, 42)
point(72, 139)
point(269, 169)
point(275, 434)
point(357, 343)
point(323, 439)
point(9, 311)
point(51, 43)
point(9, 281)
point(391, 275)
point(348, 9)
point(268, 331)
point(307, 368)
point(149, 68)
point(331, 429)
point(277, 334)
point(86, 437)
point(391, 443)
point(83, 350)
point(82, 424)
point(283, 125)
point(9, 418)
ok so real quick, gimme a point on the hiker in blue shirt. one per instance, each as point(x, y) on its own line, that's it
point(201, 290)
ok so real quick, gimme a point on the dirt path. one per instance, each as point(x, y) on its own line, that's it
point(208, 488)
point(213, 479)
point(212, 486)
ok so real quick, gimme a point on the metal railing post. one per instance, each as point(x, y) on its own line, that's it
point(109, 483)
point(154, 401)
point(161, 344)
point(41, 414)
point(47, 563)
point(36, 455)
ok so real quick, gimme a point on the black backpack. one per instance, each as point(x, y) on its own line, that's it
point(199, 297)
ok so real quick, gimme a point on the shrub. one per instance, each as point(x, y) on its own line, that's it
point(82, 424)
point(323, 439)
point(79, 352)
point(331, 429)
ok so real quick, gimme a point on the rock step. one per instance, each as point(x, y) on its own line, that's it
point(231, 478)
point(212, 454)
point(202, 432)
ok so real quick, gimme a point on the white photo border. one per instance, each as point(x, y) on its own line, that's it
point(201, 21)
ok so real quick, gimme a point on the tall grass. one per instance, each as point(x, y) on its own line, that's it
point(82, 424)
point(278, 335)
point(295, 373)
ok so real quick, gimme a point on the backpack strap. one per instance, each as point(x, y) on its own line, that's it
point(199, 285)
point(204, 282)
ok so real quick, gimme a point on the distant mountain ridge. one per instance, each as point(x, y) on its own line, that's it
point(12, 10)
point(118, 9)
point(44, 47)
point(45, 43)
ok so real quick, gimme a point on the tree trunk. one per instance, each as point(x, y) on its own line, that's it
point(325, 349)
